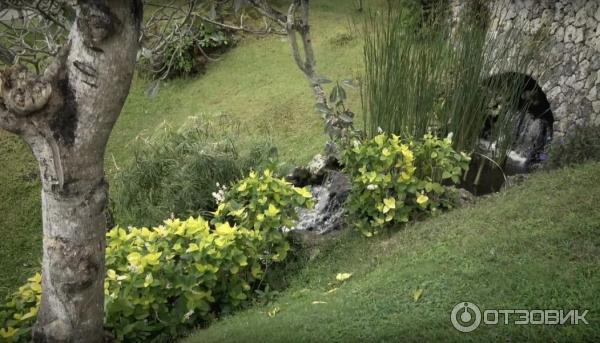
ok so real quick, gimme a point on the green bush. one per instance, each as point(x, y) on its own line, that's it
point(581, 144)
point(395, 181)
point(19, 313)
point(436, 160)
point(266, 204)
point(167, 279)
point(175, 172)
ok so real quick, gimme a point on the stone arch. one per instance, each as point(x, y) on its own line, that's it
point(569, 69)
point(534, 121)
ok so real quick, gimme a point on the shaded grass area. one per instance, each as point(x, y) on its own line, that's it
point(20, 214)
point(534, 247)
point(256, 85)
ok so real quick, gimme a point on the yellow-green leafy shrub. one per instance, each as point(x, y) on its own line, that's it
point(266, 204)
point(437, 161)
point(19, 313)
point(394, 181)
point(161, 281)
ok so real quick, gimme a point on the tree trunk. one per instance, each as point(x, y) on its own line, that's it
point(66, 117)
point(307, 64)
point(72, 308)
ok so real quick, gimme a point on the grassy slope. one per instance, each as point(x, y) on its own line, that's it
point(533, 247)
point(256, 84)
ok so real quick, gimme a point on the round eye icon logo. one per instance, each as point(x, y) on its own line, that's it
point(465, 317)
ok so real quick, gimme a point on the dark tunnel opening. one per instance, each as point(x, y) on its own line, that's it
point(533, 127)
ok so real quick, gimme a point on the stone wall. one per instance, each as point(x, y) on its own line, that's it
point(568, 69)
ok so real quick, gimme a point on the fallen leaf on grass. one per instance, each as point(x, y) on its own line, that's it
point(343, 276)
point(418, 294)
point(331, 290)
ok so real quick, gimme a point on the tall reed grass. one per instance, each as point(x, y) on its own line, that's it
point(435, 76)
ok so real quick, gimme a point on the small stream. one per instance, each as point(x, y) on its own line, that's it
point(533, 137)
point(328, 213)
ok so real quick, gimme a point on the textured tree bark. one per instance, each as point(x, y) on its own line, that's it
point(72, 308)
point(66, 117)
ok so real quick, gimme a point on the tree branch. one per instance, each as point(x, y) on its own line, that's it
point(290, 28)
point(306, 65)
point(6, 56)
point(304, 29)
point(237, 28)
point(35, 33)
point(265, 9)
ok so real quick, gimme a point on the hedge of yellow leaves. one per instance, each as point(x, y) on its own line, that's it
point(163, 280)
point(394, 181)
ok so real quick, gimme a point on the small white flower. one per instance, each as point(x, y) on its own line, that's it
point(450, 135)
point(219, 195)
point(379, 130)
point(372, 187)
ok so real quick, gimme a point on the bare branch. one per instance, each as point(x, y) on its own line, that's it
point(295, 27)
point(304, 29)
point(32, 31)
point(292, 35)
point(267, 29)
point(265, 9)
point(6, 56)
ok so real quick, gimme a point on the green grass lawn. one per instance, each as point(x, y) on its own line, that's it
point(534, 247)
point(256, 85)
